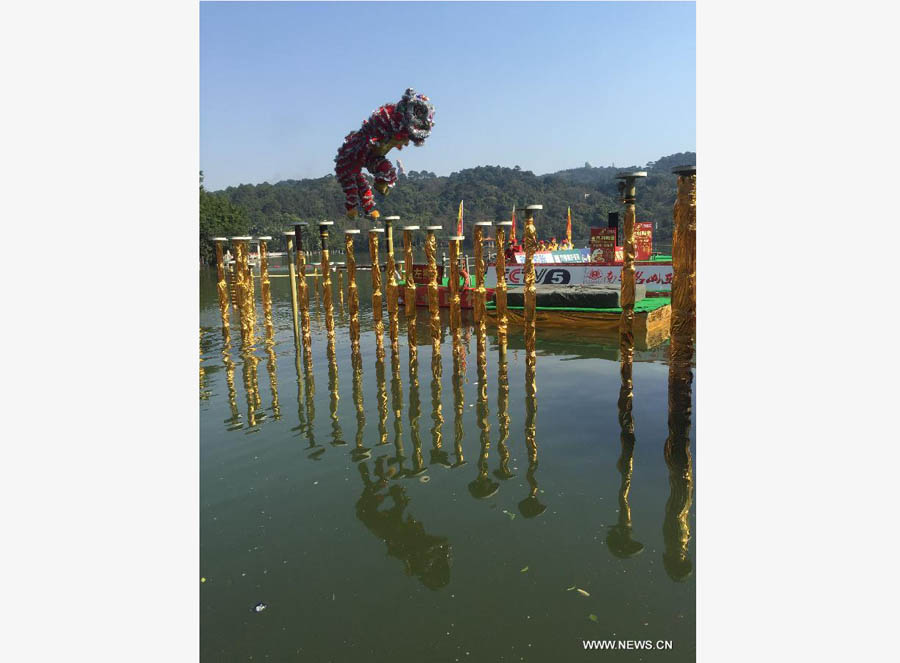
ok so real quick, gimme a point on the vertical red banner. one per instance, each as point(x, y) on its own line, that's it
point(643, 240)
point(603, 245)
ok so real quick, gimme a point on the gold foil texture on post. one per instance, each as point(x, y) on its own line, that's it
point(391, 268)
point(434, 312)
point(221, 283)
point(500, 290)
point(382, 399)
point(303, 291)
point(294, 299)
point(626, 300)
point(480, 293)
point(410, 292)
point(503, 417)
point(530, 289)
point(352, 291)
point(453, 282)
point(326, 282)
point(265, 286)
point(683, 322)
point(438, 455)
point(376, 295)
point(360, 452)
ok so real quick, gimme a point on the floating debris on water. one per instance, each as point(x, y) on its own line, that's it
point(512, 516)
point(424, 479)
point(582, 592)
point(259, 607)
point(593, 617)
point(202, 579)
point(524, 570)
point(569, 589)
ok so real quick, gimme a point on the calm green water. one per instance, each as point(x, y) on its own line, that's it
point(403, 553)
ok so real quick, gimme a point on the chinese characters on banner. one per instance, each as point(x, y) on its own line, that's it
point(603, 244)
point(643, 240)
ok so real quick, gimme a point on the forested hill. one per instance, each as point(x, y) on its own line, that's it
point(422, 198)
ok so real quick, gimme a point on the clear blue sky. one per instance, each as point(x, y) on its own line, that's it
point(545, 86)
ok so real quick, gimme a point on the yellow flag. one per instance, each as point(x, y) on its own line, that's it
point(569, 227)
point(459, 219)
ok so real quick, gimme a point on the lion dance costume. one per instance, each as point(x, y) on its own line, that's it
point(392, 125)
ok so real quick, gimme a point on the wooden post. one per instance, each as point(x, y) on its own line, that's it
point(410, 292)
point(376, 292)
point(500, 290)
point(480, 299)
point(530, 290)
point(626, 326)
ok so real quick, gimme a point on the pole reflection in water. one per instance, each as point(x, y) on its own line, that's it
point(251, 389)
point(376, 295)
point(360, 452)
point(425, 556)
point(309, 379)
point(234, 422)
point(438, 455)
point(337, 435)
point(410, 292)
point(303, 291)
point(483, 486)
point(301, 418)
point(204, 392)
point(415, 408)
point(382, 400)
point(531, 506)
point(458, 406)
point(273, 378)
point(503, 472)
point(619, 540)
point(397, 406)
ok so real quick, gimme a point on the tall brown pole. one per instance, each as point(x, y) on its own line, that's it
point(324, 226)
point(683, 324)
point(289, 237)
point(410, 292)
point(392, 306)
point(265, 285)
point(352, 291)
point(376, 293)
point(433, 300)
point(530, 290)
point(303, 290)
point(500, 290)
point(626, 326)
point(480, 299)
point(455, 317)
point(221, 283)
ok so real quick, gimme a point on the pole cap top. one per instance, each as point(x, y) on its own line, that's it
point(302, 224)
point(534, 207)
point(241, 238)
point(410, 227)
point(685, 170)
point(220, 239)
point(351, 231)
point(391, 218)
point(484, 223)
point(265, 238)
point(376, 230)
point(504, 223)
point(434, 227)
point(326, 223)
point(630, 174)
point(457, 238)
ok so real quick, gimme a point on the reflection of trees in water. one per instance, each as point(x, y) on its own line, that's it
point(424, 556)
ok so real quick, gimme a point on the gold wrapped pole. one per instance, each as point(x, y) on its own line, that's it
point(360, 452)
point(302, 290)
point(340, 273)
point(326, 281)
point(459, 405)
point(482, 486)
point(391, 269)
point(234, 423)
point(376, 293)
point(289, 238)
point(265, 285)
point(434, 310)
point(530, 288)
point(337, 435)
point(455, 315)
point(480, 299)
point(271, 368)
point(619, 539)
point(397, 406)
point(500, 289)
point(251, 289)
point(414, 413)
point(503, 471)
point(531, 506)
point(221, 283)
point(683, 322)
point(626, 298)
point(676, 527)
point(410, 293)
point(382, 399)
point(242, 288)
point(352, 290)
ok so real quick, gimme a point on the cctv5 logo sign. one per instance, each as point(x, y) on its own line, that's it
point(549, 276)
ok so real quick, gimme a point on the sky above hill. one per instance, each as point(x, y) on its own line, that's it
point(545, 86)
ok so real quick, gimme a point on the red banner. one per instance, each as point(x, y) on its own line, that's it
point(603, 244)
point(643, 240)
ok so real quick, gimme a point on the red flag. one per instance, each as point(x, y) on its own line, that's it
point(459, 220)
point(512, 234)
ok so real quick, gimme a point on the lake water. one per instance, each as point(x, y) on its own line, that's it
point(379, 518)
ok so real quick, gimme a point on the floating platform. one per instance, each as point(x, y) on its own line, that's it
point(574, 296)
point(652, 317)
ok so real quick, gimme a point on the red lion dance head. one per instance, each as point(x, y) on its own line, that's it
point(392, 125)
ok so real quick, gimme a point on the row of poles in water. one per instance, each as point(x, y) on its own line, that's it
point(241, 296)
